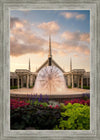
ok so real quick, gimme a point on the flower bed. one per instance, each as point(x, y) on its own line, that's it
point(70, 115)
point(80, 101)
point(14, 104)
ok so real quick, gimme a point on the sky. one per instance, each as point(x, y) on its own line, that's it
point(29, 38)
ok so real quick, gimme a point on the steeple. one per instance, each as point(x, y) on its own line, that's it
point(70, 64)
point(49, 47)
point(29, 65)
point(50, 55)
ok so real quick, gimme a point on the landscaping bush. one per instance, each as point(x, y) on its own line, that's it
point(35, 116)
point(69, 86)
point(85, 87)
point(30, 86)
point(13, 87)
point(74, 117)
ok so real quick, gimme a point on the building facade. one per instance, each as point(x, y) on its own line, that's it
point(25, 78)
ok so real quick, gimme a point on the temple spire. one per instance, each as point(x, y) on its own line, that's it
point(29, 65)
point(50, 55)
point(70, 64)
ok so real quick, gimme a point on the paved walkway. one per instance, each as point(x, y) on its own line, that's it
point(68, 91)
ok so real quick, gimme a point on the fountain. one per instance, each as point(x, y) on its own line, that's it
point(50, 80)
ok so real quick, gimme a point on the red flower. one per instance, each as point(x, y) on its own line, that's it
point(50, 106)
point(41, 105)
point(16, 103)
point(81, 101)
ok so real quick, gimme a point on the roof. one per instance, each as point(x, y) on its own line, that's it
point(21, 70)
point(86, 74)
point(78, 70)
point(13, 75)
point(46, 63)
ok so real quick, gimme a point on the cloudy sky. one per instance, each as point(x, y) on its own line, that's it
point(29, 38)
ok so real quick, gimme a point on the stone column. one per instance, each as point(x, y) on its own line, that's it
point(87, 82)
point(27, 85)
point(18, 82)
point(12, 82)
point(29, 80)
point(69, 80)
point(82, 81)
point(78, 82)
point(21, 81)
point(72, 81)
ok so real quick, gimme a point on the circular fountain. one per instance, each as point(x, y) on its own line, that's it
point(50, 81)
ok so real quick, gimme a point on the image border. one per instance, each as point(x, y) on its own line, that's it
point(5, 7)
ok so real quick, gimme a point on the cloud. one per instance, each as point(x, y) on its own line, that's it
point(23, 40)
point(49, 27)
point(85, 37)
point(76, 48)
point(80, 16)
point(76, 42)
point(16, 23)
point(77, 36)
point(75, 15)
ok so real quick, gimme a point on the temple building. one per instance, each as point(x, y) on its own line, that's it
point(25, 78)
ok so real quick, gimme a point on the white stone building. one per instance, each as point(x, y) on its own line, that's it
point(25, 78)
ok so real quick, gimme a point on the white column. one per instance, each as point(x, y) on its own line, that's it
point(82, 81)
point(87, 82)
point(69, 80)
point(29, 80)
point(27, 85)
point(78, 82)
point(18, 82)
point(21, 81)
point(12, 82)
point(72, 81)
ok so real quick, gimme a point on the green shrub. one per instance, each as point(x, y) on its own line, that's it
point(30, 86)
point(13, 87)
point(34, 116)
point(36, 103)
point(85, 87)
point(69, 86)
point(74, 117)
point(75, 85)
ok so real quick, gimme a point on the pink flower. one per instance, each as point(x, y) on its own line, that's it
point(41, 105)
point(50, 106)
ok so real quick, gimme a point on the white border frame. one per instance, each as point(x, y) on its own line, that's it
point(5, 7)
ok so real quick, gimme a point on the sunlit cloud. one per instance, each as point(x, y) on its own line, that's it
point(76, 36)
point(49, 27)
point(75, 15)
point(23, 41)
